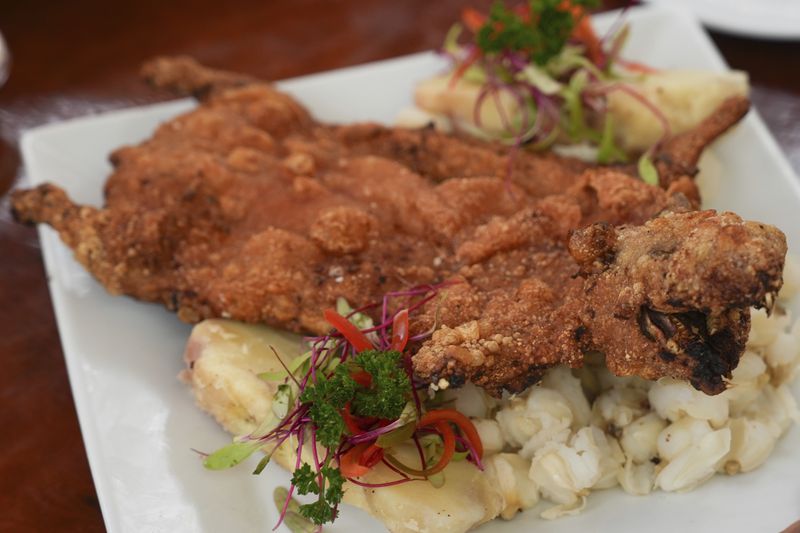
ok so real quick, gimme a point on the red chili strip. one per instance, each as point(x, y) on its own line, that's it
point(350, 421)
point(400, 331)
point(349, 462)
point(471, 58)
point(449, 440)
point(473, 19)
point(371, 456)
point(349, 331)
point(464, 424)
point(363, 378)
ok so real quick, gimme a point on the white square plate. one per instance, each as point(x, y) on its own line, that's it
point(139, 422)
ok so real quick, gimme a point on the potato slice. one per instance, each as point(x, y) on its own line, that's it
point(684, 97)
point(457, 101)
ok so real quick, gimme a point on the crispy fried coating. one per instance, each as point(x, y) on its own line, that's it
point(247, 208)
point(667, 298)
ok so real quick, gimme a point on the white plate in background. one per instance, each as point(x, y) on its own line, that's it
point(139, 422)
point(5, 61)
point(766, 19)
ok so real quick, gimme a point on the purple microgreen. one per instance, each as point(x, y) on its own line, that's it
point(472, 454)
point(289, 372)
point(423, 464)
point(382, 485)
point(633, 93)
point(393, 468)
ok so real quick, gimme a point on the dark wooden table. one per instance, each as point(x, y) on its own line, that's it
point(74, 58)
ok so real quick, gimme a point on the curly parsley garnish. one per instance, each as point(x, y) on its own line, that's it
point(330, 491)
point(385, 397)
point(390, 388)
point(540, 30)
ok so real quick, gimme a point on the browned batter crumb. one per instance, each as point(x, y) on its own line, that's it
point(247, 208)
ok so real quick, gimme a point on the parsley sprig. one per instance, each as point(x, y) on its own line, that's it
point(328, 484)
point(385, 397)
point(540, 31)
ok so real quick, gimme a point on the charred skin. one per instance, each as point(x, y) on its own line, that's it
point(686, 341)
point(679, 294)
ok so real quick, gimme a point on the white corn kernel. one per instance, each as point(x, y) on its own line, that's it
point(639, 439)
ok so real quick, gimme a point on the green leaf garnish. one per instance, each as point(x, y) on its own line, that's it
point(385, 398)
point(541, 35)
point(298, 524)
point(318, 512)
point(293, 367)
point(608, 151)
point(540, 79)
point(293, 520)
point(647, 170)
point(305, 480)
point(330, 491)
point(282, 400)
point(239, 450)
point(279, 496)
point(360, 320)
point(451, 40)
point(231, 455)
point(326, 401)
point(262, 464)
point(459, 456)
point(388, 395)
point(335, 481)
point(437, 480)
point(572, 58)
point(399, 435)
point(576, 124)
point(409, 419)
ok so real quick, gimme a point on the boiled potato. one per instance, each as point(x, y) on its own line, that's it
point(684, 97)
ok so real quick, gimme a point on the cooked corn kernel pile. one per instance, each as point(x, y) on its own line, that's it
point(583, 430)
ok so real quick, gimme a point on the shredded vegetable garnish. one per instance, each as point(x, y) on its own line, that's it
point(547, 73)
point(353, 398)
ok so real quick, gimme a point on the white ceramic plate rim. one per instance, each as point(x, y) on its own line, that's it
point(749, 18)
